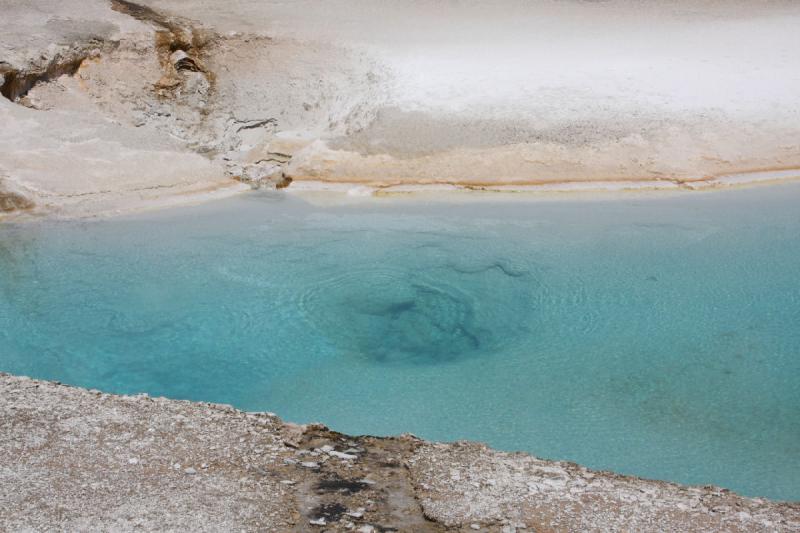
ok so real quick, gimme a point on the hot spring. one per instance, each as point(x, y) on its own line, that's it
point(654, 336)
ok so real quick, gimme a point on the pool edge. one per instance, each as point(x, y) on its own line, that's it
point(77, 452)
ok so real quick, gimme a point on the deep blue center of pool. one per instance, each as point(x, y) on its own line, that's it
point(656, 337)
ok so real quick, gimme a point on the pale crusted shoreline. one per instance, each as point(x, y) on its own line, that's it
point(85, 460)
point(109, 205)
point(720, 182)
point(112, 106)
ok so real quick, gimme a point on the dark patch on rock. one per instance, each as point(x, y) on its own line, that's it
point(143, 14)
point(330, 512)
point(337, 484)
point(284, 183)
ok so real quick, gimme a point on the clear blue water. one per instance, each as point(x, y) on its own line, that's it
point(656, 337)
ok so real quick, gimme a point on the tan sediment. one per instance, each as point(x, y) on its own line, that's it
point(743, 178)
point(663, 161)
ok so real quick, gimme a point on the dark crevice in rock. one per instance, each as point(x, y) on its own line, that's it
point(17, 83)
point(182, 62)
point(259, 123)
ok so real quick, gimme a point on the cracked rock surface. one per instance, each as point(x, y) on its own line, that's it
point(114, 105)
point(79, 460)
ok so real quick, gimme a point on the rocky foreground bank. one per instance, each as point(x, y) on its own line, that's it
point(83, 460)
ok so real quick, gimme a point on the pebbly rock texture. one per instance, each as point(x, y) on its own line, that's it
point(463, 482)
point(84, 460)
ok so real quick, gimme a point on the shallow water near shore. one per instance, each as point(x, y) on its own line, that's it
point(655, 336)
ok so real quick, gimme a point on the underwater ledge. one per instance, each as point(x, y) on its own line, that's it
point(87, 460)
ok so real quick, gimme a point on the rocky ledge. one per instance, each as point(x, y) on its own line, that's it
point(78, 460)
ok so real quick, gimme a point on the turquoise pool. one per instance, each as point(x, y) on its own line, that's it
point(651, 336)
